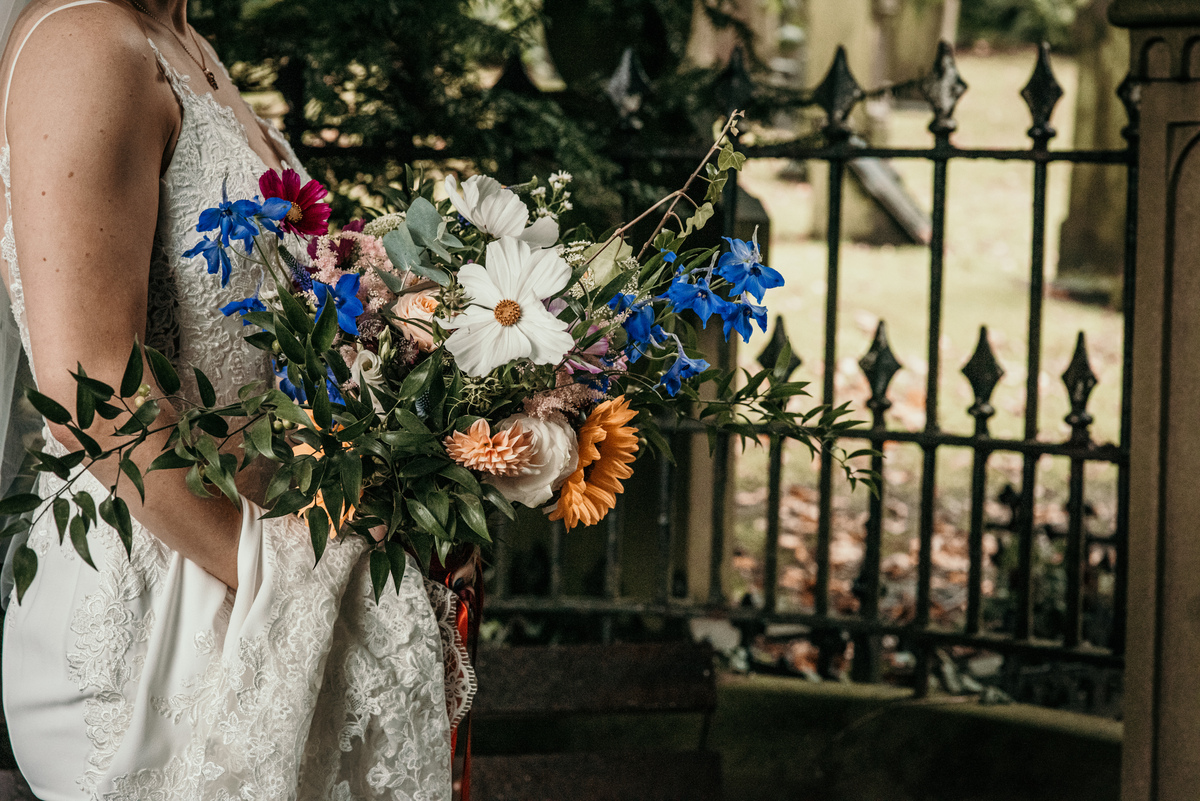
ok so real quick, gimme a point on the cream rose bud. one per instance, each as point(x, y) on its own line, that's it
point(367, 370)
point(418, 306)
point(555, 456)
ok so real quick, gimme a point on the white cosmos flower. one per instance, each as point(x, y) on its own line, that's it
point(506, 318)
point(498, 211)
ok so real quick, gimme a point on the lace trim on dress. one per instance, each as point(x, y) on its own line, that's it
point(460, 674)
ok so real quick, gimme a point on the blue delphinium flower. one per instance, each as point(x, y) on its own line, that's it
point(640, 321)
point(743, 268)
point(739, 315)
point(298, 394)
point(331, 384)
point(243, 307)
point(286, 386)
point(214, 253)
point(273, 210)
point(345, 299)
point(234, 220)
point(698, 297)
point(683, 369)
point(668, 256)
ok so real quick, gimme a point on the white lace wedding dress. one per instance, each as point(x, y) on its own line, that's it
point(148, 678)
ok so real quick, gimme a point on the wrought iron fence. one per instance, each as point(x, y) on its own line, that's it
point(1093, 657)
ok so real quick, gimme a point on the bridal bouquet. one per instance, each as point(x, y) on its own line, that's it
point(443, 361)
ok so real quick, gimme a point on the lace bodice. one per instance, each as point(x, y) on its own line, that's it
point(299, 686)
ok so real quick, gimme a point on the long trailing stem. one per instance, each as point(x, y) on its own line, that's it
point(712, 151)
point(674, 197)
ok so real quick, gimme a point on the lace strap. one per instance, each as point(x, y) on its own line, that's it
point(175, 80)
point(13, 67)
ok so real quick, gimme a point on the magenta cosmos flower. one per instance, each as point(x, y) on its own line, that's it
point(308, 216)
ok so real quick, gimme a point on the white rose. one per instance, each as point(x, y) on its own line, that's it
point(555, 456)
point(368, 371)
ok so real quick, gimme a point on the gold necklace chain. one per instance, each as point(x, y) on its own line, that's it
point(212, 79)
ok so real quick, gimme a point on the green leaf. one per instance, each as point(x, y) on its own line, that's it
point(352, 473)
point(164, 373)
point(79, 540)
point(318, 530)
point(419, 379)
point(213, 424)
point(461, 476)
point(698, 220)
point(85, 406)
point(131, 381)
point(606, 266)
point(398, 560)
point(135, 477)
point(381, 568)
point(730, 159)
point(423, 221)
point(49, 408)
point(321, 408)
point(196, 484)
point(289, 503)
point(259, 433)
point(290, 346)
point(208, 395)
point(423, 466)
point(425, 519)
point(279, 483)
point(86, 504)
point(25, 565)
point(19, 504)
point(141, 419)
point(439, 503)
point(402, 251)
point(169, 460)
point(471, 509)
point(124, 524)
point(297, 316)
point(286, 408)
point(62, 515)
point(101, 390)
point(90, 446)
point(496, 498)
point(52, 464)
point(264, 320)
point(326, 329)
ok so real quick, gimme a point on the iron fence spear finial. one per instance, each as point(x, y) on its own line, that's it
point(1042, 94)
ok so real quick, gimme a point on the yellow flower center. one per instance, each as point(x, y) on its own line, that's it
point(295, 214)
point(507, 312)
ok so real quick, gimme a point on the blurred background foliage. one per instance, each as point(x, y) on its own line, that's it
point(512, 87)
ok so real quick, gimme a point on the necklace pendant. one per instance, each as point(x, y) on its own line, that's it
point(212, 80)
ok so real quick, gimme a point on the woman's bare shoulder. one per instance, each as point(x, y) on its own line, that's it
point(84, 60)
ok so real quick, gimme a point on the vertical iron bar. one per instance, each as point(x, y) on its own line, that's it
point(503, 561)
point(868, 656)
point(975, 540)
point(833, 237)
point(612, 563)
point(771, 553)
point(663, 592)
point(1075, 557)
point(556, 548)
point(1024, 623)
point(720, 456)
point(937, 254)
point(1130, 95)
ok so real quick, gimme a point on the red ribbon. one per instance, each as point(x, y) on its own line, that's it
point(470, 603)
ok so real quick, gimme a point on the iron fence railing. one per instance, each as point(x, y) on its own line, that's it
point(838, 146)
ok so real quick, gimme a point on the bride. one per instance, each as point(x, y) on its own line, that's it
point(214, 662)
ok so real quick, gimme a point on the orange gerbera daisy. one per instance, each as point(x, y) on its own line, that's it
point(607, 446)
point(504, 453)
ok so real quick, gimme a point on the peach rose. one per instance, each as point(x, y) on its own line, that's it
point(418, 306)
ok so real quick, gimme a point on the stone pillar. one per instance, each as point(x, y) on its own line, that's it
point(1161, 760)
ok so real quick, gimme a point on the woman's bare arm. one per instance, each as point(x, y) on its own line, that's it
point(88, 121)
